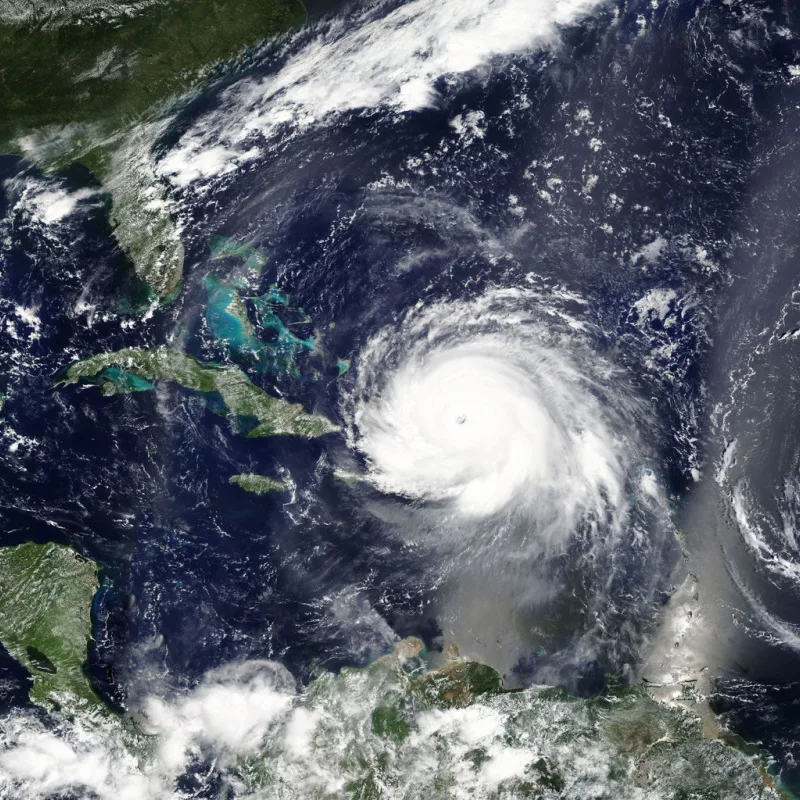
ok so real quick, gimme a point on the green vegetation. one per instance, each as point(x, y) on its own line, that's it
point(395, 725)
point(239, 396)
point(105, 68)
point(460, 684)
point(225, 247)
point(388, 722)
point(46, 593)
point(397, 729)
point(113, 380)
point(93, 89)
point(258, 484)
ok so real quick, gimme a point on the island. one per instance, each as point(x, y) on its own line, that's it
point(257, 484)
point(126, 370)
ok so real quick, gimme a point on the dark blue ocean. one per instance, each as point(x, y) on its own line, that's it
point(696, 117)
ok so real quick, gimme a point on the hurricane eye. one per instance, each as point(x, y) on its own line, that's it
point(527, 405)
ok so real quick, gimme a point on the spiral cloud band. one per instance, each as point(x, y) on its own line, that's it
point(489, 407)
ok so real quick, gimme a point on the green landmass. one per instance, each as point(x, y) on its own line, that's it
point(113, 380)
point(46, 593)
point(94, 89)
point(238, 395)
point(226, 247)
point(229, 322)
point(395, 729)
point(258, 484)
point(225, 294)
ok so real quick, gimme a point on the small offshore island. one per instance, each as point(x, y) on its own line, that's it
point(257, 484)
point(393, 729)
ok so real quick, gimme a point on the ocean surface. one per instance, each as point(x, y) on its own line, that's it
point(544, 258)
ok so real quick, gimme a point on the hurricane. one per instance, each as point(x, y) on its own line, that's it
point(481, 408)
point(399, 399)
point(522, 456)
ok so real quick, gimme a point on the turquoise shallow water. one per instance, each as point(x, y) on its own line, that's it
point(229, 324)
point(124, 381)
point(600, 175)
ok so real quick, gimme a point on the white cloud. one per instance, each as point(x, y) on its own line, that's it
point(228, 715)
point(45, 202)
point(374, 60)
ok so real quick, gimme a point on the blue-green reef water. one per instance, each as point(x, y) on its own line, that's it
point(399, 401)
